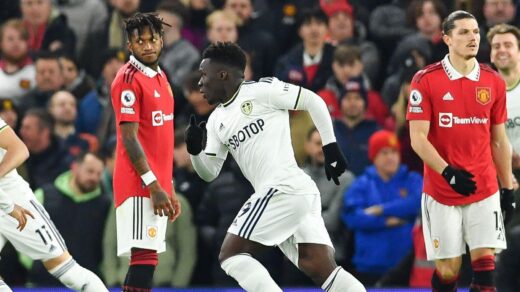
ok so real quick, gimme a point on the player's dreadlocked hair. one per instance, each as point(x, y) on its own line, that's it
point(226, 53)
point(140, 20)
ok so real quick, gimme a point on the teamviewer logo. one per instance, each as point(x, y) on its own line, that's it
point(446, 120)
point(157, 118)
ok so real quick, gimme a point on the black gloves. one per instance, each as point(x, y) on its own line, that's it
point(335, 162)
point(195, 136)
point(460, 180)
point(507, 203)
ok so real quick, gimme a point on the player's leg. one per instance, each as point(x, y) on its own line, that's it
point(4, 287)
point(444, 239)
point(310, 249)
point(141, 235)
point(236, 259)
point(485, 234)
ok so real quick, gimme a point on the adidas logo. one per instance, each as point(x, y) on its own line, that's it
point(447, 96)
point(156, 94)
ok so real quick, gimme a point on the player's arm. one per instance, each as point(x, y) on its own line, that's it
point(501, 152)
point(161, 203)
point(421, 145)
point(16, 151)
point(208, 163)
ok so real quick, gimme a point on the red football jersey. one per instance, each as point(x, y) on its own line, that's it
point(144, 96)
point(461, 111)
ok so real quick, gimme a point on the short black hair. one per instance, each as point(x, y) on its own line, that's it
point(141, 20)
point(81, 157)
point(449, 22)
point(226, 53)
point(309, 14)
point(45, 120)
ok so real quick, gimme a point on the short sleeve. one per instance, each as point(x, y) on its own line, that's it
point(126, 100)
point(498, 111)
point(279, 94)
point(419, 102)
point(3, 124)
point(214, 147)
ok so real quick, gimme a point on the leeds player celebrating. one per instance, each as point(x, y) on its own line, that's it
point(252, 122)
point(39, 239)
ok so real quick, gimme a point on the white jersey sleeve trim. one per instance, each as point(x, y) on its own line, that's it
point(311, 102)
point(207, 165)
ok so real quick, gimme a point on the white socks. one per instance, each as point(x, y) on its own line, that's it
point(250, 274)
point(77, 278)
point(4, 287)
point(341, 281)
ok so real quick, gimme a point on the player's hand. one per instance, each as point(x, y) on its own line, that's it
point(176, 208)
point(507, 204)
point(194, 136)
point(335, 162)
point(20, 214)
point(460, 180)
point(161, 204)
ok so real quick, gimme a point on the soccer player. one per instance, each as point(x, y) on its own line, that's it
point(37, 237)
point(144, 197)
point(252, 123)
point(505, 55)
point(457, 110)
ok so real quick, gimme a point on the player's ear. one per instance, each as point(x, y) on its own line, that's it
point(223, 75)
point(446, 39)
point(129, 47)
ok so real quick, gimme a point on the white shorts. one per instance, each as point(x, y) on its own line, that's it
point(274, 218)
point(39, 240)
point(447, 229)
point(139, 227)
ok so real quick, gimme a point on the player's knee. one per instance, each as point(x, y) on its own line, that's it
point(144, 257)
point(447, 272)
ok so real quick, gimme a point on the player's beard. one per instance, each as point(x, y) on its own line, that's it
point(86, 187)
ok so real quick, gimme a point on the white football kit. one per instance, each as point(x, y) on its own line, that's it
point(15, 85)
point(254, 127)
point(513, 117)
point(40, 240)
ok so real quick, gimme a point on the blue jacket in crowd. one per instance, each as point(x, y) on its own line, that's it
point(378, 247)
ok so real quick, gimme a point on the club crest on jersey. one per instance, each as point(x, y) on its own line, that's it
point(483, 95)
point(246, 107)
point(127, 98)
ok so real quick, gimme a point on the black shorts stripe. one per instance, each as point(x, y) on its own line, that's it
point(297, 98)
point(254, 212)
point(51, 226)
point(141, 218)
point(428, 222)
point(247, 219)
point(266, 201)
point(211, 154)
point(133, 218)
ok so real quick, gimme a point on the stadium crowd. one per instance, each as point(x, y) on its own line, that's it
point(58, 60)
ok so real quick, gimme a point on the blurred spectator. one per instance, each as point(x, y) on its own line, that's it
point(381, 207)
point(308, 64)
point(343, 29)
point(179, 57)
point(86, 17)
point(74, 198)
point(186, 179)
point(46, 160)
point(426, 17)
point(49, 79)
point(17, 73)
point(122, 10)
point(9, 113)
point(195, 29)
point(258, 43)
point(75, 80)
point(62, 107)
point(508, 263)
point(353, 128)
point(48, 28)
point(197, 104)
point(412, 58)
point(111, 61)
point(495, 12)
point(176, 264)
point(9, 9)
point(222, 26)
point(331, 194)
point(346, 65)
point(402, 129)
point(108, 153)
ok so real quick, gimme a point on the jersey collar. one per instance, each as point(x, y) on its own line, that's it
point(233, 97)
point(453, 74)
point(143, 68)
